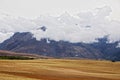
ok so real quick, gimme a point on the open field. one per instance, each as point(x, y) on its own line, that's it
point(59, 69)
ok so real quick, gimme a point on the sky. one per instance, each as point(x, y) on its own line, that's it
point(69, 20)
point(35, 8)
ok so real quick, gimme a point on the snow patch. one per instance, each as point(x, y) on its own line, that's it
point(118, 46)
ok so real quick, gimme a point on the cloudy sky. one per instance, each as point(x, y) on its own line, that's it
point(33, 8)
point(69, 20)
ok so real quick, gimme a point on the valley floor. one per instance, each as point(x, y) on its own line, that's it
point(59, 69)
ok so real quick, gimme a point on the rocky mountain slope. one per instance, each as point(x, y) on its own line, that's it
point(24, 42)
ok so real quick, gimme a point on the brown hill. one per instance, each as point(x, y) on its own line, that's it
point(9, 53)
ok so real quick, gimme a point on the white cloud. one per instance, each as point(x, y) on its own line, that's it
point(34, 8)
point(4, 36)
point(83, 27)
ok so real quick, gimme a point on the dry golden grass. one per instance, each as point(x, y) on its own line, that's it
point(59, 69)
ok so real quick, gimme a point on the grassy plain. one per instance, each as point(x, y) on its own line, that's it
point(59, 69)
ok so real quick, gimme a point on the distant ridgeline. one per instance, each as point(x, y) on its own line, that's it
point(24, 42)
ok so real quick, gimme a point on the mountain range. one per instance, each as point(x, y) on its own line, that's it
point(82, 35)
point(24, 42)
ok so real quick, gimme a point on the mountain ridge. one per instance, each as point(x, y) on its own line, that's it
point(26, 43)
